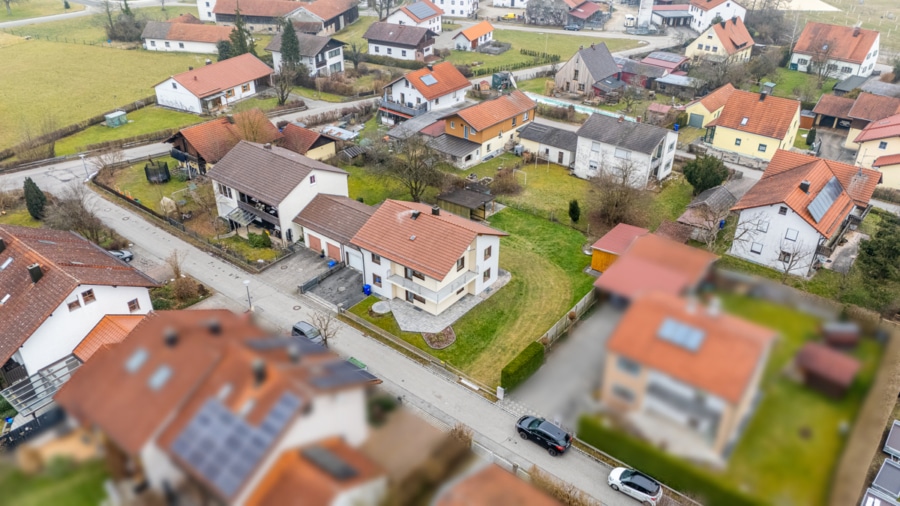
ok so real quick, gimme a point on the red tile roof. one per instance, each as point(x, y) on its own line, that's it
point(261, 8)
point(213, 139)
point(301, 140)
point(437, 11)
point(617, 240)
point(827, 362)
point(772, 117)
point(186, 18)
point(724, 364)
point(874, 107)
point(835, 106)
point(707, 4)
point(491, 112)
point(780, 183)
point(439, 240)
point(112, 329)
point(217, 77)
point(448, 77)
point(328, 9)
point(843, 46)
point(882, 129)
point(733, 35)
point(67, 261)
point(491, 486)
point(886, 161)
point(475, 31)
point(198, 33)
point(717, 98)
point(584, 10)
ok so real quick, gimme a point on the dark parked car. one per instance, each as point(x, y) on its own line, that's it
point(572, 28)
point(306, 330)
point(636, 484)
point(122, 254)
point(544, 433)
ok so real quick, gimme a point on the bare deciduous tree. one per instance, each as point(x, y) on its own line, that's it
point(546, 12)
point(748, 228)
point(327, 324)
point(415, 166)
point(205, 198)
point(73, 211)
point(621, 194)
point(251, 124)
point(564, 492)
point(284, 83)
point(382, 7)
point(819, 65)
point(792, 255)
point(37, 138)
point(107, 158)
point(718, 73)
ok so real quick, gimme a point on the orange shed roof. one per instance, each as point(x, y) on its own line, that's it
point(717, 98)
point(617, 240)
point(473, 32)
point(111, 329)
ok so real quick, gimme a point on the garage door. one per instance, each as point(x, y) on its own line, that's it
point(354, 259)
point(696, 121)
point(334, 252)
point(315, 244)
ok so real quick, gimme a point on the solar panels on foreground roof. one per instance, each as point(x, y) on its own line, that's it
point(823, 201)
point(682, 335)
point(421, 10)
point(429, 79)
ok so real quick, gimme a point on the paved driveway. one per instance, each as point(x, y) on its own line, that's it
point(288, 274)
point(343, 288)
point(833, 146)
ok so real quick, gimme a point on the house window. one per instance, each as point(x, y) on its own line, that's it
point(791, 234)
point(513, 121)
point(784, 256)
point(580, 86)
point(229, 93)
point(882, 145)
point(699, 46)
point(802, 61)
point(412, 273)
point(575, 75)
point(437, 101)
point(388, 50)
point(623, 154)
point(761, 148)
point(628, 366)
point(737, 142)
point(88, 297)
point(707, 47)
point(623, 393)
point(715, 49)
point(453, 124)
point(744, 121)
point(461, 264)
point(461, 290)
point(167, 43)
point(334, 53)
point(181, 45)
point(488, 148)
point(525, 116)
point(411, 297)
point(782, 210)
point(207, 4)
point(134, 306)
point(756, 248)
point(174, 86)
point(846, 70)
point(377, 49)
point(74, 305)
point(245, 88)
point(153, 43)
point(376, 280)
point(831, 67)
point(763, 226)
point(160, 377)
point(671, 147)
point(312, 179)
point(403, 53)
point(487, 252)
point(224, 190)
point(486, 276)
point(376, 259)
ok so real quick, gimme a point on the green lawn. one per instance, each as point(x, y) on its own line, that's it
point(354, 32)
point(449, 27)
point(143, 121)
point(132, 181)
point(536, 85)
point(546, 264)
point(373, 188)
point(72, 485)
point(800, 141)
point(19, 217)
point(318, 95)
point(242, 247)
point(786, 81)
point(687, 135)
point(38, 8)
point(671, 201)
point(90, 29)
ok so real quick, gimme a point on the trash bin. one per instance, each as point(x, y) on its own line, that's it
point(367, 289)
point(331, 263)
point(676, 127)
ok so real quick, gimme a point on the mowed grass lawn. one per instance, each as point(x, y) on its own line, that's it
point(132, 182)
point(772, 460)
point(20, 217)
point(76, 485)
point(556, 43)
point(546, 264)
point(38, 8)
point(786, 81)
point(90, 29)
point(143, 121)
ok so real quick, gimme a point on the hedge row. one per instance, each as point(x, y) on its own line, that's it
point(523, 366)
point(675, 473)
point(392, 62)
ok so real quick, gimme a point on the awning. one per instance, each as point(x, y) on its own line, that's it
point(407, 116)
point(585, 10)
point(240, 216)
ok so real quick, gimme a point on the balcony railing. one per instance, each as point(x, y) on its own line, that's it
point(36, 391)
point(403, 109)
point(271, 217)
point(436, 297)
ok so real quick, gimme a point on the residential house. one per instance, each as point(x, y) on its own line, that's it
point(694, 367)
point(215, 86)
point(582, 12)
point(879, 138)
point(334, 15)
point(307, 142)
point(205, 402)
point(844, 50)
point(755, 124)
point(637, 74)
point(258, 15)
point(488, 484)
point(670, 62)
point(584, 68)
point(703, 110)
point(549, 143)
point(429, 258)
point(518, 4)
point(652, 263)
point(705, 12)
point(671, 15)
point(471, 38)
point(267, 186)
point(484, 129)
point(206, 143)
point(707, 212)
point(635, 151)
point(800, 209)
point(55, 288)
point(613, 244)
point(431, 88)
point(889, 166)
point(867, 109)
point(402, 42)
point(329, 223)
point(183, 37)
point(727, 40)
point(422, 13)
point(322, 56)
point(458, 8)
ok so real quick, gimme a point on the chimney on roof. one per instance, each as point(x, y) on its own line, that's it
point(259, 371)
point(36, 273)
point(436, 211)
point(2, 245)
point(856, 31)
point(724, 23)
point(415, 214)
point(715, 307)
point(293, 352)
point(214, 326)
point(170, 336)
point(195, 78)
point(804, 186)
point(430, 67)
point(267, 145)
point(734, 20)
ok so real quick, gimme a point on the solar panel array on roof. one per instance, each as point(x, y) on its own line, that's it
point(223, 448)
point(823, 201)
point(421, 10)
point(340, 374)
point(429, 79)
point(680, 334)
point(669, 57)
point(892, 444)
point(888, 478)
point(329, 463)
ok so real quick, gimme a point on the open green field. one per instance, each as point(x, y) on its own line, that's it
point(554, 42)
point(72, 485)
point(143, 121)
point(90, 29)
point(38, 8)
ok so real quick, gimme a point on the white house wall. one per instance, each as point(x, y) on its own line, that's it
point(177, 97)
point(310, 62)
point(396, 53)
point(771, 239)
point(457, 8)
point(177, 46)
point(159, 468)
point(402, 18)
point(481, 244)
point(844, 69)
point(591, 156)
point(331, 183)
point(205, 10)
point(517, 4)
point(412, 96)
point(371, 493)
point(702, 19)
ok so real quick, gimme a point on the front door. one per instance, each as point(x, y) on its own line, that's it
point(403, 98)
point(409, 296)
point(559, 158)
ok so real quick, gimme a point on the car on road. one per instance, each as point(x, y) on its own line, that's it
point(304, 329)
point(509, 16)
point(636, 484)
point(544, 433)
point(572, 28)
point(122, 254)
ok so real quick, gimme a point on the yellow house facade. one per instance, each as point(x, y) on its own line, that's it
point(700, 112)
point(323, 152)
point(727, 40)
point(755, 125)
point(753, 145)
point(889, 166)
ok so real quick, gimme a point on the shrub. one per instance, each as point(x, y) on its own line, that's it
point(887, 195)
point(705, 172)
point(259, 240)
point(670, 470)
point(184, 289)
point(505, 183)
point(35, 200)
point(523, 366)
point(811, 137)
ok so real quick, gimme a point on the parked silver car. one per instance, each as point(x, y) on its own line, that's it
point(122, 254)
point(636, 484)
point(306, 330)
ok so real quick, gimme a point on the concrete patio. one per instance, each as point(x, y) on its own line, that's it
point(676, 439)
point(844, 255)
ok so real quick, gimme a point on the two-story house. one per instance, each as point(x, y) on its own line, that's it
point(800, 209)
point(206, 402)
point(55, 288)
point(429, 258)
point(726, 40)
point(703, 110)
point(692, 366)
point(586, 67)
point(755, 124)
point(484, 129)
point(636, 151)
point(430, 88)
point(183, 37)
point(458, 8)
point(879, 139)
point(844, 50)
point(215, 86)
point(333, 15)
point(267, 186)
point(322, 56)
point(704, 12)
point(401, 42)
point(473, 37)
point(422, 13)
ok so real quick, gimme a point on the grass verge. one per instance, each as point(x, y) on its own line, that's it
point(61, 483)
point(143, 121)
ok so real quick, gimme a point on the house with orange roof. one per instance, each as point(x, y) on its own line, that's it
point(431, 88)
point(208, 401)
point(422, 13)
point(755, 124)
point(889, 166)
point(726, 40)
point(704, 12)
point(695, 369)
point(183, 37)
point(844, 51)
point(866, 109)
point(458, 8)
point(428, 257)
point(879, 139)
point(473, 37)
point(58, 291)
point(703, 110)
point(793, 217)
point(315, 145)
point(206, 143)
point(216, 86)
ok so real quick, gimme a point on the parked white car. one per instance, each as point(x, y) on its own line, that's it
point(636, 484)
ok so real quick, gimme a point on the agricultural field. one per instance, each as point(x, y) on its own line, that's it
point(38, 8)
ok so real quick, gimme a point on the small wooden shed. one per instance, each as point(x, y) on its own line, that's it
point(467, 203)
point(826, 369)
point(608, 248)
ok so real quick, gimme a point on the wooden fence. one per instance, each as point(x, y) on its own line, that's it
point(565, 323)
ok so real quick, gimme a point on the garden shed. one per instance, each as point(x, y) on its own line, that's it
point(467, 203)
point(825, 369)
point(845, 334)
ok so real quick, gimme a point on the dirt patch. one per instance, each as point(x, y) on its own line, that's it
point(440, 340)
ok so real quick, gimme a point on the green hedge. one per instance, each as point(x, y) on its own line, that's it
point(524, 365)
point(675, 473)
point(259, 240)
point(392, 62)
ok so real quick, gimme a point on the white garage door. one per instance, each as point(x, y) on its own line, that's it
point(354, 259)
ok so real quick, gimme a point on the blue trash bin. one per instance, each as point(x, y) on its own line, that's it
point(367, 289)
point(676, 127)
point(331, 263)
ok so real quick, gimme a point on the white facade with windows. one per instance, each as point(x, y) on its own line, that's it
point(182, 46)
point(839, 69)
point(591, 157)
point(461, 43)
point(516, 4)
point(702, 17)
point(402, 92)
point(396, 52)
point(205, 10)
point(401, 18)
point(771, 233)
point(170, 93)
point(326, 63)
point(458, 8)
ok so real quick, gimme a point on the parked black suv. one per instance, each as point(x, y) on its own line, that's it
point(544, 433)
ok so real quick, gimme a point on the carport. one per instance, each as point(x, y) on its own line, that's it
point(833, 112)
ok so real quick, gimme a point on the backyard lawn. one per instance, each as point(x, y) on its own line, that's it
point(786, 81)
point(38, 8)
point(800, 141)
point(318, 95)
point(143, 121)
point(354, 32)
point(72, 485)
point(132, 182)
point(536, 85)
point(671, 201)
point(19, 217)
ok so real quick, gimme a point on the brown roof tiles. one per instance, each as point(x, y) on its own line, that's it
point(874, 107)
point(261, 8)
point(490, 486)
point(217, 77)
point(393, 35)
point(339, 218)
point(617, 240)
point(301, 140)
point(826, 362)
point(733, 35)
point(213, 139)
point(835, 106)
point(717, 98)
point(328, 9)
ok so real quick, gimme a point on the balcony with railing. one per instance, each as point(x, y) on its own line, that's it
point(36, 391)
point(434, 296)
point(404, 109)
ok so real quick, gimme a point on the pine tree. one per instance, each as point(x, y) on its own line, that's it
point(35, 200)
point(290, 46)
point(811, 137)
point(574, 211)
point(241, 40)
point(226, 50)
